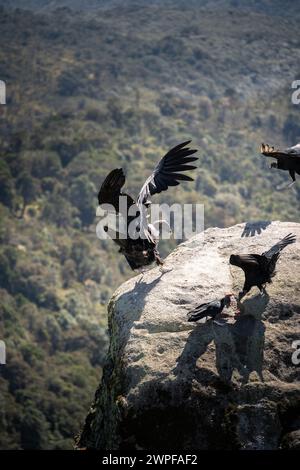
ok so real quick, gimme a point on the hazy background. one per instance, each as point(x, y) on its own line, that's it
point(112, 86)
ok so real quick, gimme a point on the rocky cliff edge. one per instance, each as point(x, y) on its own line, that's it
point(170, 384)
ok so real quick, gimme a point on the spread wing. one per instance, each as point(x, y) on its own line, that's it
point(276, 249)
point(269, 151)
point(110, 191)
point(168, 171)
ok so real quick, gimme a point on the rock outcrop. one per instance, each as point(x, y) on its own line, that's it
point(170, 384)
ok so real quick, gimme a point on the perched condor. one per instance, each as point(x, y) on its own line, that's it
point(288, 160)
point(260, 269)
point(210, 309)
point(142, 251)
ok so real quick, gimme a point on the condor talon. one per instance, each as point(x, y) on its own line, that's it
point(285, 186)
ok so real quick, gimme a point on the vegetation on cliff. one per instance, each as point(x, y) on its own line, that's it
point(116, 88)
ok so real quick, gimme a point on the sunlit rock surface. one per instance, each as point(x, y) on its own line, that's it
point(170, 384)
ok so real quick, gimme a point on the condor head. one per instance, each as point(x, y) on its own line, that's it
point(235, 260)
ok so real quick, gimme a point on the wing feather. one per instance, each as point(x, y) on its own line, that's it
point(270, 151)
point(168, 171)
point(110, 190)
point(278, 247)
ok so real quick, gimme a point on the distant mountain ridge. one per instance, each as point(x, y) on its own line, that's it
point(54, 4)
point(272, 7)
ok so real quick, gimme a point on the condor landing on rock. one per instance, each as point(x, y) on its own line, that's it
point(142, 250)
point(260, 269)
point(288, 160)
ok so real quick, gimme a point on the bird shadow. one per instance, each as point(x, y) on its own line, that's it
point(139, 291)
point(238, 346)
point(254, 228)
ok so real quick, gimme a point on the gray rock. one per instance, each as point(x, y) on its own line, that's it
point(170, 384)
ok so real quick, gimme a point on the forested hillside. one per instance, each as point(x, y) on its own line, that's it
point(88, 92)
point(273, 7)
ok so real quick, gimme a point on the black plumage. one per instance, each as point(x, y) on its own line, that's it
point(210, 309)
point(260, 269)
point(143, 251)
point(287, 160)
point(167, 172)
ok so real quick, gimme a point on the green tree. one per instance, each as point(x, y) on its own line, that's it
point(29, 189)
point(58, 211)
point(83, 198)
point(46, 165)
point(7, 187)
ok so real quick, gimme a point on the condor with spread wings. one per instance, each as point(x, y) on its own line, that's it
point(260, 269)
point(288, 159)
point(169, 171)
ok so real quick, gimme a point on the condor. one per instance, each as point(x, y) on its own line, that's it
point(142, 251)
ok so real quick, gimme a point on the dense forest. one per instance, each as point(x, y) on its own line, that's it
point(116, 87)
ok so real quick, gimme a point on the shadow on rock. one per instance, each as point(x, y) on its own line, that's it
point(110, 387)
point(239, 346)
point(139, 291)
point(196, 345)
point(254, 228)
